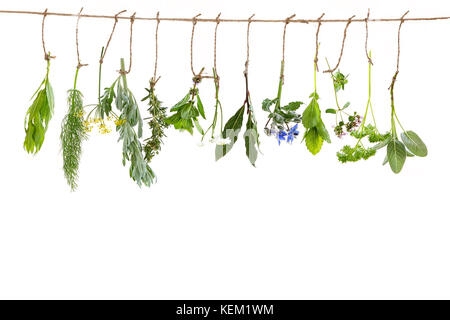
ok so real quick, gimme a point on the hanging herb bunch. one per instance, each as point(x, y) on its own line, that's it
point(188, 109)
point(73, 132)
point(126, 122)
point(39, 114)
point(233, 126)
point(346, 123)
point(369, 130)
point(282, 121)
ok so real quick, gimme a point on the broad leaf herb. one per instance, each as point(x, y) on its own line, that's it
point(282, 122)
point(73, 132)
point(39, 114)
point(316, 131)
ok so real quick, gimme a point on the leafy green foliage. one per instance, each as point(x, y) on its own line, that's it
point(157, 123)
point(187, 111)
point(414, 144)
point(396, 154)
point(339, 80)
point(251, 138)
point(230, 131)
point(372, 133)
point(38, 115)
point(72, 135)
point(349, 154)
point(316, 131)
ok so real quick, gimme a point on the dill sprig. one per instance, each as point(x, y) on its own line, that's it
point(73, 132)
point(157, 124)
point(39, 114)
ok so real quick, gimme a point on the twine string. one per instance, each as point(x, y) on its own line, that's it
point(154, 80)
point(316, 57)
point(116, 19)
point(217, 78)
point(248, 44)
point(131, 44)
point(342, 47)
point(284, 45)
point(367, 37)
point(79, 65)
point(394, 78)
point(46, 55)
point(194, 23)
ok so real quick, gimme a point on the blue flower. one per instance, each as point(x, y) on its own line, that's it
point(281, 136)
point(293, 133)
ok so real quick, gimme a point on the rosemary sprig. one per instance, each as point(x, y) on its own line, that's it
point(39, 114)
point(157, 123)
point(73, 132)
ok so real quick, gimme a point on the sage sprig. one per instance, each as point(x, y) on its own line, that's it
point(39, 114)
point(156, 122)
point(73, 132)
point(188, 109)
point(233, 127)
point(410, 145)
point(316, 131)
point(126, 122)
point(359, 150)
point(282, 121)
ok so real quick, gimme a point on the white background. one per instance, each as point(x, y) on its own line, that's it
point(297, 226)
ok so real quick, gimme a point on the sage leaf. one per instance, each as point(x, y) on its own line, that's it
point(396, 153)
point(414, 144)
point(230, 131)
point(251, 140)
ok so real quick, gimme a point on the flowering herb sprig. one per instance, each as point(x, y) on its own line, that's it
point(359, 150)
point(73, 132)
point(188, 109)
point(233, 126)
point(39, 114)
point(129, 118)
point(316, 131)
point(157, 123)
point(352, 121)
point(216, 137)
point(282, 122)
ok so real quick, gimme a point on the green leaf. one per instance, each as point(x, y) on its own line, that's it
point(322, 130)
point(311, 115)
point(333, 111)
point(292, 106)
point(251, 139)
point(266, 104)
point(413, 142)
point(382, 144)
point(200, 107)
point(231, 131)
point(396, 153)
point(198, 126)
point(386, 160)
point(313, 141)
point(181, 102)
point(345, 106)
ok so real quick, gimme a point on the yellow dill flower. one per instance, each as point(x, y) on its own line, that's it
point(103, 129)
point(120, 122)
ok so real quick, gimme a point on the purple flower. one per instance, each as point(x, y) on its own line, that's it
point(293, 133)
point(281, 136)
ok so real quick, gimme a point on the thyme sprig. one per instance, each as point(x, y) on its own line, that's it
point(39, 114)
point(156, 122)
point(73, 132)
point(282, 121)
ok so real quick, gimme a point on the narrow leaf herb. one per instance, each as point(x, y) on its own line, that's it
point(157, 124)
point(73, 132)
point(282, 122)
point(39, 114)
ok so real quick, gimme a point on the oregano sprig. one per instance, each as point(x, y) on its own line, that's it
point(39, 114)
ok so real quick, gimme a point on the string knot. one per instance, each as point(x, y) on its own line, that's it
point(217, 18)
point(288, 19)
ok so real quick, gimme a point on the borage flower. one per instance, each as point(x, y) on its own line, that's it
point(293, 133)
point(281, 135)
